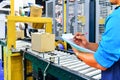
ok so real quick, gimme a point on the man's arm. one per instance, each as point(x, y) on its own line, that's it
point(92, 46)
point(89, 59)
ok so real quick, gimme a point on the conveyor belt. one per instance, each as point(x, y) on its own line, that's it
point(66, 60)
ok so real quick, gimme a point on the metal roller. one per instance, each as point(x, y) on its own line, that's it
point(87, 70)
point(75, 63)
point(92, 73)
point(97, 77)
point(81, 67)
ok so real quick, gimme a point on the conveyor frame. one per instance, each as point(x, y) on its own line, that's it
point(57, 71)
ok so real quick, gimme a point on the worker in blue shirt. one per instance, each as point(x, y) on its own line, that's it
point(107, 52)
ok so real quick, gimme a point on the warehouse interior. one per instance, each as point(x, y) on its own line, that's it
point(31, 44)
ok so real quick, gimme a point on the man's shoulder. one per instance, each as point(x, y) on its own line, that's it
point(116, 13)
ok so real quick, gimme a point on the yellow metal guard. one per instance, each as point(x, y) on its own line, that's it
point(13, 62)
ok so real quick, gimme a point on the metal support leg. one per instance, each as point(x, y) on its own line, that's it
point(92, 20)
point(2, 56)
point(40, 74)
point(25, 67)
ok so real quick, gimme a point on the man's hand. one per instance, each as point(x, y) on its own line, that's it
point(80, 40)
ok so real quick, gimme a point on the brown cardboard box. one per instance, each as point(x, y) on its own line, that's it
point(38, 25)
point(19, 34)
point(36, 11)
point(43, 42)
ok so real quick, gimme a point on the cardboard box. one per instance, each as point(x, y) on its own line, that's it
point(20, 34)
point(38, 25)
point(43, 42)
point(36, 11)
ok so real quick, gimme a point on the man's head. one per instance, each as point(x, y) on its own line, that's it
point(115, 2)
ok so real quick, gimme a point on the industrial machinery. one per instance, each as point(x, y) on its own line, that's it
point(104, 8)
point(75, 15)
point(62, 65)
point(55, 10)
point(69, 16)
point(22, 63)
point(12, 58)
point(76, 19)
point(55, 65)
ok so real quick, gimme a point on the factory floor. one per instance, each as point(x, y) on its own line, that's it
point(1, 71)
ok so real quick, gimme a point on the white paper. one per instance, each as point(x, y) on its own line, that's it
point(69, 39)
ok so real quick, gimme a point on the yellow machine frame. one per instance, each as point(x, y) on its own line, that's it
point(12, 29)
point(13, 68)
point(65, 44)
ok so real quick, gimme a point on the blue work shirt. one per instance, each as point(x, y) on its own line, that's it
point(108, 52)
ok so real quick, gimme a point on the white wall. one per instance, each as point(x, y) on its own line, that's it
point(17, 4)
point(20, 3)
point(2, 25)
point(2, 29)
